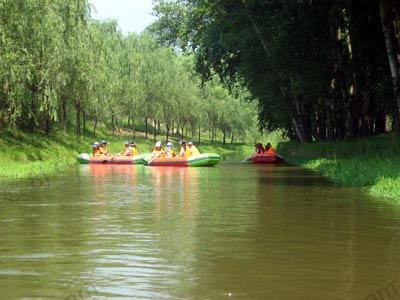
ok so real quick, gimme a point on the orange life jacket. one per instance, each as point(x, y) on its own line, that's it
point(96, 152)
point(271, 151)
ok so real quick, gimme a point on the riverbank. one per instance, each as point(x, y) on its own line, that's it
point(24, 155)
point(372, 163)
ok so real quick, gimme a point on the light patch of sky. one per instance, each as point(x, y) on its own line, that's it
point(132, 15)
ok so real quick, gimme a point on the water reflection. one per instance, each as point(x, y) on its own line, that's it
point(175, 188)
point(259, 232)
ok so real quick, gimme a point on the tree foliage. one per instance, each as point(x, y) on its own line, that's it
point(60, 68)
point(322, 70)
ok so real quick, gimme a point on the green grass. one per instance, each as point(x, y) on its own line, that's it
point(26, 155)
point(373, 163)
point(23, 155)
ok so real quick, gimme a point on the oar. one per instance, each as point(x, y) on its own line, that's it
point(151, 160)
point(246, 160)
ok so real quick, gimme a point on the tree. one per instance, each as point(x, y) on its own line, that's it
point(318, 69)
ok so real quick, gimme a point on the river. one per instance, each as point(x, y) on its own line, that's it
point(230, 232)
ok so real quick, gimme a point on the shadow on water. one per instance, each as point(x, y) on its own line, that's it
point(279, 174)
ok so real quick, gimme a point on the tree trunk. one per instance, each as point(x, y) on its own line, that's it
point(78, 117)
point(193, 131)
point(224, 137)
point(155, 130)
point(199, 135)
point(167, 137)
point(301, 122)
point(182, 132)
point(146, 127)
point(387, 21)
point(257, 30)
point(113, 123)
point(232, 138)
point(95, 126)
point(64, 114)
point(84, 123)
point(47, 128)
point(132, 127)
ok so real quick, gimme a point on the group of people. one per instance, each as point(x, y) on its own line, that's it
point(100, 149)
point(186, 150)
point(268, 149)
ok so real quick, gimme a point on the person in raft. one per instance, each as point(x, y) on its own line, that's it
point(259, 148)
point(157, 151)
point(103, 148)
point(193, 149)
point(185, 151)
point(269, 150)
point(130, 149)
point(96, 149)
point(169, 152)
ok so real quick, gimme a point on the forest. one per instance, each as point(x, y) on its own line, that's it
point(60, 69)
point(320, 70)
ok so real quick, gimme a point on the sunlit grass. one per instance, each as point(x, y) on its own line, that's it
point(373, 163)
point(386, 187)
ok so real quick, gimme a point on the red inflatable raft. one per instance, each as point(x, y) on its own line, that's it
point(266, 159)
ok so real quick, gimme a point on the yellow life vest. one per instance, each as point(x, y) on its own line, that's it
point(130, 151)
point(158, 153)
point(134, 151)
point(185, 152)
point(194, 151)
point(170, 153)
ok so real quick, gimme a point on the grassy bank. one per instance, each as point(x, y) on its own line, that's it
point(373, 163)
point(24, 155)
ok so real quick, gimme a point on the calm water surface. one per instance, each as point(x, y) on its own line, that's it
point(230, 232)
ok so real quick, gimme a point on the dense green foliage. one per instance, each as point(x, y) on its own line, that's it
point(322, 70)
point(60, 68)
point(370, 162)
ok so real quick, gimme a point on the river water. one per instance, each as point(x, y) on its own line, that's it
point(230, 232)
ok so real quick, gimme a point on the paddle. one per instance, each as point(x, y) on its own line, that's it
point(247, 160)
point(152, 159)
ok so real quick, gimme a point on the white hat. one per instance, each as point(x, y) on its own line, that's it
point(190, 143)
point(158, 144)
point(169, 144)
